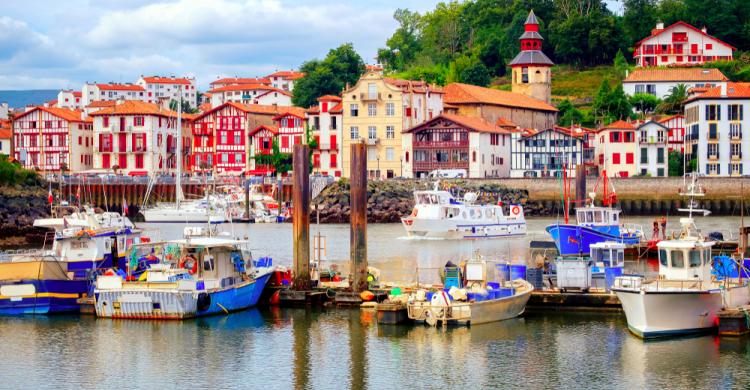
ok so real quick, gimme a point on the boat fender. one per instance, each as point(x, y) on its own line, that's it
point(515, 210)
point(204, 301)
point(367, 296)
point(190, 263)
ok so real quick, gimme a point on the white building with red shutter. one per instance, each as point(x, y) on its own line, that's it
point(616, 149)
point(226, 81)
point(170, 88)
point(67, 98)
point(111, 91)
point(680, 44)
point(676, 132)
point(285, 79)
point(260, 94)
point(47, 138)
point(325, 122)
point(138, 137)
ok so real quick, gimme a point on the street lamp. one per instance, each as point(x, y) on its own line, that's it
point(378, 168)
point(401, 166)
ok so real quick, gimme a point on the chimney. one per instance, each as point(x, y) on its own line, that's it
point(704, 30)
point(723, 89)
point(660, 25)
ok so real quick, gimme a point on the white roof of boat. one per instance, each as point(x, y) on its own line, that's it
point(608, 245)
point(208, 241)
point(683, 244)
point(58, 222)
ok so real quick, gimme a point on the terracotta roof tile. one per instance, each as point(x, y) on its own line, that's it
point(618, 125)
point(339, 108)
point(248, 87)
point(101, 103)
point(136, 107)
point(413, 85)
point(241, 80)
point(329, 98)
point(120, 87)
point(458, 93)
point(273, 129)
point(76, 93)
point(6, 130)
point(166, 80)
point(257, 109)
point(62, 113)
point(287, 74)
point(474, 123)
point(681, 23)
point(675, 74)
point(733, 90)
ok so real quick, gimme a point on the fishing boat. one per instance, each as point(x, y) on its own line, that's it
point(475, 301)
point(685, 298)
point(51, 279)
point(594, 224)
point(182, 211)
point(438, 214)
point(197, 276)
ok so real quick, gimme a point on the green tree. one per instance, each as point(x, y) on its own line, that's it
point(619, 105)
point(644, 102)
point(675, 163)
point(639, 18)
point(330, 76)
point(620, 65)
point(476, 74)
point(402, 47)
point(569, 114)
point(281, 162)
point(600, 105)
point(674, 102)
point(186, 108)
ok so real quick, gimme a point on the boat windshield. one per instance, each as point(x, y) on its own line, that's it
point(663, 257)
point(678, 259)
point(694, 258)
point(430, 199)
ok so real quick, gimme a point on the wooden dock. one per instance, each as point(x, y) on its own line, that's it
point(574, 301)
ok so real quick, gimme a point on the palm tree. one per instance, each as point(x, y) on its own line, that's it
point(674, 102)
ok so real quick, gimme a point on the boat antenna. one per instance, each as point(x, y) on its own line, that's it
point(178, 152)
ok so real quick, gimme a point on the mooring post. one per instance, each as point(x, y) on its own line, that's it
point(358, 218)
point(580, 185)
point(247, 199)
point(301, 216)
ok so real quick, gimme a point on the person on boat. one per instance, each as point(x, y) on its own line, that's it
point(664, 228)
point(655, 235)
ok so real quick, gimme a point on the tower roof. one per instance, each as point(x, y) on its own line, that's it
point(531, 35)
point(531, 57)
point(531, 19)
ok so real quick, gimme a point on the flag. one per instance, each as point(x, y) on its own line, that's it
point(50, 198)
point(124, 206)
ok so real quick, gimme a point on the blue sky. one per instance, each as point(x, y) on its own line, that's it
point(61, 44)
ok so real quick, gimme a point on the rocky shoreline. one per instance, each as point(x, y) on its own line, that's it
point(19, 207)
point(389, 201)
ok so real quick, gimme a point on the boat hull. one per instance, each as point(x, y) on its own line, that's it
point(652, 314)
point(174, 304)
point(461, 229)
point(573, 240)
point(475, 313)
point(41, 296)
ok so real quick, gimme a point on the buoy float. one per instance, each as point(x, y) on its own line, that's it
point(367, 296)
point(275, 298)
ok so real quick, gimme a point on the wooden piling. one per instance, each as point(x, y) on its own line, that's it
point(301, 216)
point(358, 219)
point(580, 185)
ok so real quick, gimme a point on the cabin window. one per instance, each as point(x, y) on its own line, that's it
point(488, 213)
point(598, 216)
point(83, 245)
point(678, 259)
point(107, 245)
point(463, 215)
point(694, 259)
point(614, 217)
point(663, 257)
point(433, 199)
point(208, 263)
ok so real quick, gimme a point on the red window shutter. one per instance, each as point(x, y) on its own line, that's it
point(105, 160)
point(316, 160)
point(615, 158)
point(101, 142)
point(333, 142)
point(134, 142)
point(324, 107)
point(285, 142)
point(290, 122)
point(611, 137)
point(601, 159)
point(333, 160)
point(105, 120)
point(317, 141)
point(408, 111)
point(297, 140)
point(629, 158)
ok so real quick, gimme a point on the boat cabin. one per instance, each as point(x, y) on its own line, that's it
point(685, 260)
point(434, 198)
point(598, 216)
point(608, 254)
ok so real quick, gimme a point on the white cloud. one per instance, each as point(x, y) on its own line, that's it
point(118, 40)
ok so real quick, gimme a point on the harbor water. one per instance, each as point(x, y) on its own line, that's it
point(281, 348)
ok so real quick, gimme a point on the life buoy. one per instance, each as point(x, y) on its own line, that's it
point(515, 210)
point(191, 263)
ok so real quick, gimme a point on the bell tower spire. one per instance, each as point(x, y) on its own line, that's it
point(532, 75)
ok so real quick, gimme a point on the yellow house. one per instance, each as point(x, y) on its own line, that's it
point(376, 110)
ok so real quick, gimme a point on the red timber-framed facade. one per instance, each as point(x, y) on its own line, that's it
point(680, 44)
point(48, 138)
point(219, 140)
point(676, 133)
point(325, 122)
point(288, 130)
point(139, 138)
point(450, 141)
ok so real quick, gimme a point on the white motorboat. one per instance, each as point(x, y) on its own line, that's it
point(685, 298)
point(438, 214)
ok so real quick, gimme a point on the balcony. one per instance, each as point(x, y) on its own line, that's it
point(652, 140)
point(736, 156)
point(713, 156)
point(139, 148)
point(441, 144)
point(369, 96)
point(372, 141)
point(432, 165)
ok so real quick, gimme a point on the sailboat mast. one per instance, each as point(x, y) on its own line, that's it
point(178, 152)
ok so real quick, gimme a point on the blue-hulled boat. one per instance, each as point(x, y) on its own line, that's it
point(52, 279)
point(594, 224)
point(194, 277)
